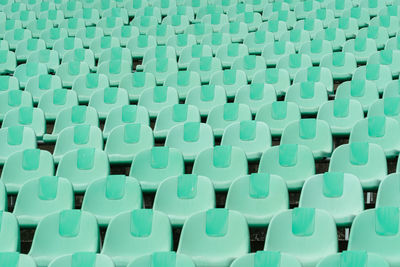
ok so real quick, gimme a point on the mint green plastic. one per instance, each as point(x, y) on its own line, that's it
point(387, 191)
point(156, 98)
point(9, 232)
point(361, 47)
point(54, 101)
point(39, 85)
point(189, 53)
point(183, 81)
point(293, 63)
point(3, 197)
point(266, 258)
point(206, 97)
point(15, 139)
point(228, 53)
point(364, 91)
point(163, 259)
point(15, 259)
point(14, 99)
point(357, 258)
point(205, 67)
point(81, 259)
point(316, 74)
point(104, 100)
point(231, 79)
point(309, 96)
point(255, 96)
point(107, 197)
point(27, 117)
point(380, 75)
point(341, 64)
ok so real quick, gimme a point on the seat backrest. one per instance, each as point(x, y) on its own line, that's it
point(269, 258)
point(353, 258)
point(163, 259)
point(82, 259)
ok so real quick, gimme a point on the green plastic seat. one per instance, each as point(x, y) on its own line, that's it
point(229, 53)
point(380, 130)
point(54, 101)
point(308, 234)
point(83, 166)
point(81, 259)
point(256, 41)
point(277, 115)
point(253, 137)
point(14, 99)
point(126, 141)
point(294, 63)
point(257, 5)
point(365, 160)
point(178, 22)
point(341, 114)
point(116, 12)
point(161, 68)
point(391, 9)
point(341, 64)
point(9, 233)
point(15, 139)
point(190, 138)
point(76, 115)
point(348, 24)
point(49, 58)
point(149, 11)
point(379, 74)
point(134, 6)
point(315, 134)
point(375, 231)
point(392, 89)
point(222, 236)
point(335, 36)
point(9, 25)
point(103, 43)
point(14, 37)
point(156, 98)
point(3, 197)
point(62, 233)
point(51, 35)
point(316, 74)
point(44, 6)
point(205, 67)
point(361, 14)
point(222, 164)
point(210, 8)
point(199, 30)
point(215, 40)
point(393, 43)
point(387, 106)
point(144, 23)
point(26, 48)
point(251, 19)
point(125, 33)
point(81, 55)
point(24, 166)
point(216, 20)
point(324, 14)
point(183, 10)
point(250, 64)
point(68, 72)
point(26, 71)
point(353, 258)
point(230, 79)
point(239, 8)
point(88, 34)
point(298, 37)
point(162, 32)
point(303, 9)
point(206, 97)
point(181, 41)
point(40, 197)
point(104, 100)
point(294, 163)
point(388, 192)
point(388, 22)
point(190, 53)
point(340, 6)
point(259, 197)
point(85, 85)
point(363, 91)
point(75, 137)
point(309, 96)
point(361, 48)
point(255, 96)
point(386, 58)
point(136, 83)
point(377, 33)
point(261, 258)
point(15, 259)
point(39, 85)
point(183, 81)
point(224, 115)
point(183, 196)
point(159, 259)
point(107, 197)
point(174, 115)
point(287, 16)
point(373, 6)
point(137, 233)
point(156, 52)
point(8, 83)
point(27, 117)
point(316, 49)
point(237, 30)
point(340, 194)
point(70, 8)
point(72, 25)
point(278, 78)
point(55, 16)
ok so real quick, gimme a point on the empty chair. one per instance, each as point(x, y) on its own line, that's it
point(13, 99)
point(156, 98)
point(181, 41)
point(367, 161)
point(25, 49)
point(8, 83)
point(140, 45)
point(287, 16)
point(137, 82)
point(341, 114)
point(27, 117)
point(388, 192)
point(349, 258)
point(222, 164)
point(15, 139)
point(54, 101)
point(49, 58)
point(82, 259)
point(89, 33)
point(28, 70)
point(275, 26)
point(69, 71)
point(278, 78)
point(161, 68)
point(302, 10)
point(266, 257)
point(309, 96)
point(152, 166)
point(66, 45)
point(392, 89)
point(308, 234)
point(380, 130)
point(256, 41)
point(206, 97)
point(137, 233)
point(313, 133)
point(347, 24)
point(40, 197)
point(80, 55)
point(41, 84)
point(379, 74)
point(375, 231)
point(110, 23)
point(9, 233)
point(361, 48)
point(179, 22)
point(115, 70)
point(162, 258)
point(273, 51)
point(387, 58)
point(294, 63)
point(361, 14)
point(8, 62)
point(341, 64)
point(107, 197)
point(76, 115)
point(388, 107)
point(103, 43)
point(205, 67)
point(297, 37)
point(253, 137)
point(15, 36)
point(393, 43)
point(183, 196)
point(316, 74)
point(259, 197)
point(78, 136)
point(236, 29)
point(255, 96)
point(316, 49)
point(222, 116)
point(333, 35)
point(104, 100)
point(183, 81)
point(338, 193)
point(15, 259)
point(215, 237)
point(125, 33)
point(230, 79)
point(250, 64)
point(363, 91)
point(190, 53)
point(51, 35)
point(64, 232)
point(228, 53)
point(377, 33)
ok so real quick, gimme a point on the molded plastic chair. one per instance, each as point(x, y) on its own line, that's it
point(335, 36)
point(361, 14)
point(15, 259)
point(274, 51)
point(341, 64)
point(40, 197)
point(8, 62)
point(183, 196)
point(181, 41)
point(230, 79)
point(8, 83)
point(28, 70)
point(306, 233)
point(68, 72)
point(367, 161)
point(49, 58)
point(190, 53)
point(255, 96)
point(215, 40)
point(104, 100)
point(377, 33)
point(206, 97)
point(55, 101)
point(88, 34)
point(104, 43)
point(27, 117)
point(309, 96)
point(136, 83)
point(278, 78)
point(363, 91)
point(3, 197)
point(81, 259)
point(316, 49)
point(183, 81)
point(137, 233)
point(140, 45)
point(41, 84)
point(62, 233)
point(250, 64)
point(159, 259)
point(230, 52)
point(107, 197)
point(9, 233)
point(347, 24)
point(256, 41)
point(349, 258)
point(51, 35)
point(14, 139)
point(388, 191)
point(293, 63)
point(205, 67)
point(215, 237)
point(388, 107)
point(125, 33)
point(297, 37)
point(392, 89)
point(387, 58)
point(259, 197)
point(81, 55)
point(86, 85)
point(161, 68)
point(361, 48)
point(13, 99)
point(316, 74)
point(157, 98)
point(266, 257)
point(379, 74)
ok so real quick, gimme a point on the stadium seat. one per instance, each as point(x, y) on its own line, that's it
point(362, 48)
point(215, 237)
point(13, 99)
point(379, 74)
point(297, 37)
point(62, 233)
point(367, 161)
point(68, 72)
point(100, 44)
point(140, 45)
point(216, 20)
point(137, 233)
point(3, 197)
point(236, 29)
point(104, 100)
point(363, 91)
point(250, 64)
point(115, 70)
point(316, 74)
point(8, 83)
point(230, 79)
point(393, 43)
point(228, 53)
point(361, 14)
point(40, 197)
point(256, 41)
point(39, 85)
point(28, 70)
point(351, 258)
point(157, 52)
point(181, 41)
point(161, 68)
point(205, 66)
point(81, 259)
point(278, 78)
point(324, 14)
point(136, 83)
point(316, 49)
point(261, 258)
point(199, 30)
point(15, 259)
point(15, 139)
point(49, 58)
point(190, 53)
point(182, 196)
point(255, 96)
point(215, 40)
point(303, 9)
point(85, 85)
point(341, 64)
point(51, 35)
point(286, 16)
point(388, 192)
point(333, 35)
point(178, 22)
point(183, 81)
point(80, 55)
point(206, 97)
point(64, 45)
point(89, 34)
point(276, 27)
point(293, 63)
point(9, 233)
point(54, 101)
point(16, 36)
point(347, 24)
point(377, 33)
point(387, 58)
point(158, 259)
point(27, 117)
point(37, 26)
point(125, 33)
point(309, 96)
point(156, 98)
point(388, 107)
point(107, 197)
point(274, 51)
point(259, 197)
point(392, 89)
